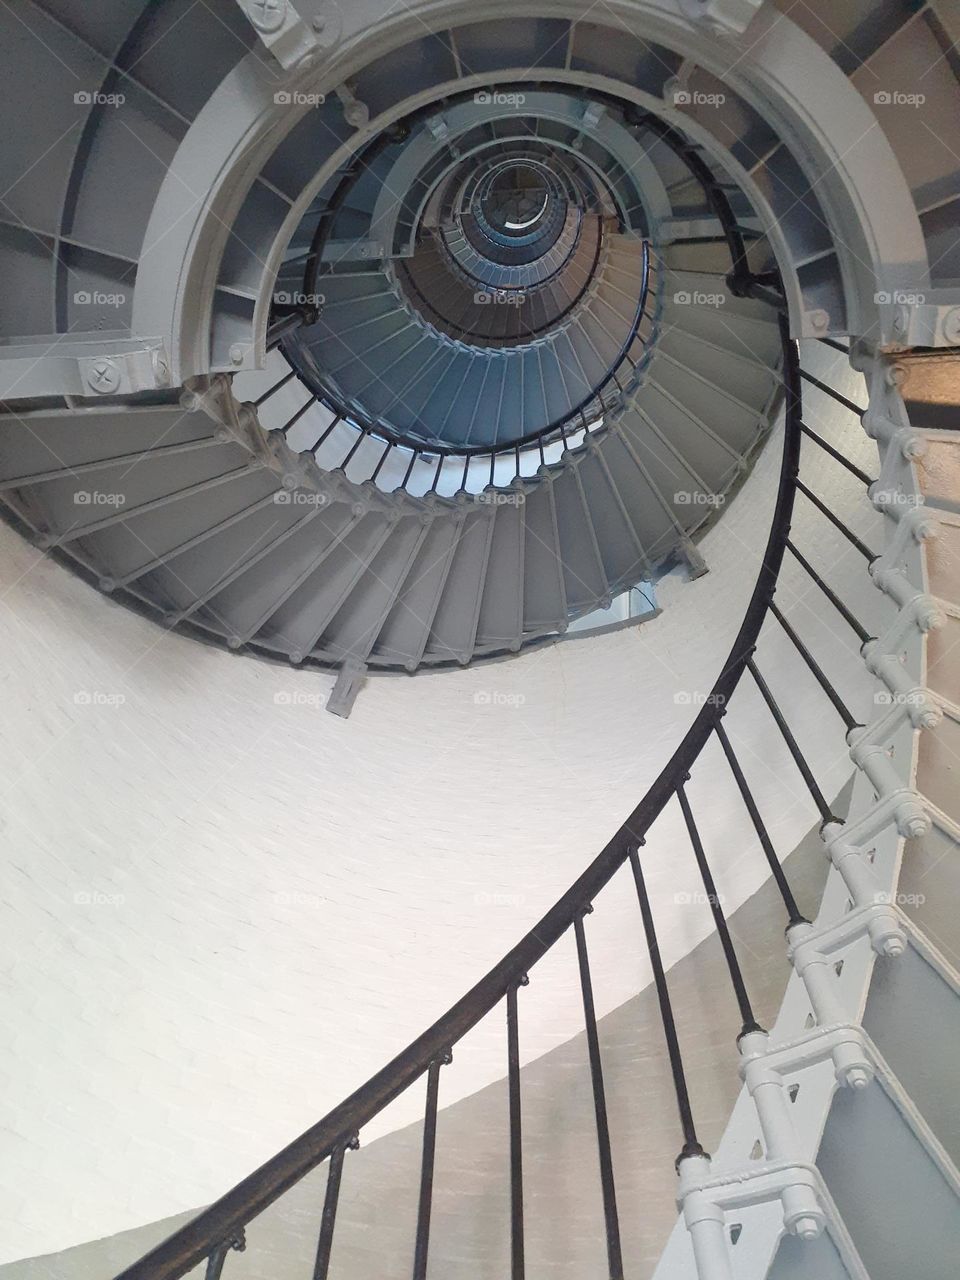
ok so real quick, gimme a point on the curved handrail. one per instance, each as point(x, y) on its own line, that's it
point(224, 1219)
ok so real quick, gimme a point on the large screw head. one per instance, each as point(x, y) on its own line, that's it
point(951, 326)
point(267, 15)
point(104, 376)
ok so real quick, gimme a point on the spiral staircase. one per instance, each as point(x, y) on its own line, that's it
point(375, 338)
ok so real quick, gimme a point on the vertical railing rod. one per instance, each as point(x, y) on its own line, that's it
point(333, 424)
point(426, 1170)
point(287, 377)
point(217, 1258)
point(383, 457)
point(517, 1267)
point(691, 1144)
point(822, 386)
point(292, 422)
point(835, 453)
point(747, 1020)
point(841, 707)
point(608, 1190)
point(831, 595)
point(786, 893)
point(328, 1217)
point(790, 740)
point(837, 522)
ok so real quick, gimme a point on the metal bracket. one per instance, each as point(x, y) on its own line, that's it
point(725, 17)
point(291, 39)
point(350, 680)
point(101, 367)
point(912, 318)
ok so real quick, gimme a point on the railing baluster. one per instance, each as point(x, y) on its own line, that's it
point(426, 1169)
point(824, 683)
point(361, 436)
point(329, 1216)
point(335, 423)
point(747, 1020)
point(786, 893)
point(836, 522)
point(516, 1138)
point(217, 1258)
point(831, 595)
point(287, 377)
point(614, 1255)
point(691, 1145)
point(292, 422)
point(837, 346)
point(822, 386)
point(790, 740)
point(835, 453)
point(383, 457)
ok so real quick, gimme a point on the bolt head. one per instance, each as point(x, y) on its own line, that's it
point(819, 320)
point(267, 15)
point(806, 1228)
point(104, 376)
point(236, 354)
point(951, 326)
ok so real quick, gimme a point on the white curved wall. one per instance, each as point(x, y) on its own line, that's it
point(228, 908)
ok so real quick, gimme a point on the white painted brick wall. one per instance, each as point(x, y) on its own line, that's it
point(223, 913)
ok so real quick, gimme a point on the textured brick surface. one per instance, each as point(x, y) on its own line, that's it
point(223, 911)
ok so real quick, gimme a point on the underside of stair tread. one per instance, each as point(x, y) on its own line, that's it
point(205, 530)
